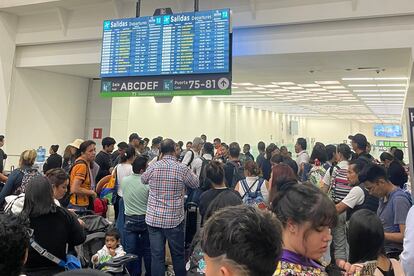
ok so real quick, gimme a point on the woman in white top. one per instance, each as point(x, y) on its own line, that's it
point(252, 172)
point(123, 169)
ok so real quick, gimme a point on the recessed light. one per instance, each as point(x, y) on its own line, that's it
point(334, 87)
point(380, 95)
point(365, 79)
point(294, 88)
point(380, 90)
point(378, 85)
point(286, 83)
point(327, 82)
point(269, 85)
point(309, 85)
point(279, 90)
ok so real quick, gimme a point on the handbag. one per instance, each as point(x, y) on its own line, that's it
point(109, 190)
point(71, 262)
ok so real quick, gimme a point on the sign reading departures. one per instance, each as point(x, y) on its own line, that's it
point(167, 55)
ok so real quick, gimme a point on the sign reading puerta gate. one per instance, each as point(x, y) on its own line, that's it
point(168, 55)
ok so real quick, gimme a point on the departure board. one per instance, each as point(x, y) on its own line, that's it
point(177, 44)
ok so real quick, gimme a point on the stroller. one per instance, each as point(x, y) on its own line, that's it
point(95, 227)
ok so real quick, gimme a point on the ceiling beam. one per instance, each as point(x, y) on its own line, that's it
point(63, 15)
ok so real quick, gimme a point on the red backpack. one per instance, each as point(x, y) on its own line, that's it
point(100, 206)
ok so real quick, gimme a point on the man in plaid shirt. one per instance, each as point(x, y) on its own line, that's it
point(167, 181)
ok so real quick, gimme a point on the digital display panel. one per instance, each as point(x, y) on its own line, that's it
point(177, 44)
point(387, 131)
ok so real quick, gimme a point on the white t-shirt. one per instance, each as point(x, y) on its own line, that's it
point(354, 198)
point(122, 170)
point(198, 163)
point(250, 180)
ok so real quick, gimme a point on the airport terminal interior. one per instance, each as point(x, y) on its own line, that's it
point(320, 83)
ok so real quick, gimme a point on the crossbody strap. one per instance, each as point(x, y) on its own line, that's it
point(46, 253)
point(244, 184)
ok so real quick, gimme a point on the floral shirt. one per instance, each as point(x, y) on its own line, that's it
point(293, 264)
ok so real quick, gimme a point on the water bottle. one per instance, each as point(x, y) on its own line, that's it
point(41, 154)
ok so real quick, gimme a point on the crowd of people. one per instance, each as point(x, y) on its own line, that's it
point(335, 211)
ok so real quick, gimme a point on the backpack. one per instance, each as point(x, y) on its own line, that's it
point(205, 183)
point(64, 202)
point(238, 174)
point(28, 174)
point(100, 206)
point(253, 198)
point(316, 175)
point(191, 158)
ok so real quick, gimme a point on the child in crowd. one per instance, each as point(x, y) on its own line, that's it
point(111, 249)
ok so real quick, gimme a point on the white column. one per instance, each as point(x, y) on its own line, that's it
point(8, 25)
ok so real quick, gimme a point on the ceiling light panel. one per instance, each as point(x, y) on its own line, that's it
point(327, 82)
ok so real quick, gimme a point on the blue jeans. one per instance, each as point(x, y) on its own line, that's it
point(175, 237)
point(120, 221)
point(137, 243)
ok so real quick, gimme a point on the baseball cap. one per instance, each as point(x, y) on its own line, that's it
point(76, 143)
point(134, 136)
point(359, 139)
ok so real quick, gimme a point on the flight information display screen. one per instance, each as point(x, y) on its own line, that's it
point(177, 44)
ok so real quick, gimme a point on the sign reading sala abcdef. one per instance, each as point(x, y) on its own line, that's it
point(168, 55)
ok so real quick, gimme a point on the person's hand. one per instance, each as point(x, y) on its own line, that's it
point(112, 252)
point(94, 195)
point(81, 222)
point(95, 259)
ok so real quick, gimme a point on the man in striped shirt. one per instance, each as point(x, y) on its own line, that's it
point(167, 181)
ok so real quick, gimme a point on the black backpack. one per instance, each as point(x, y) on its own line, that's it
point(64, 202)
point(238, 173)
point(205, 183)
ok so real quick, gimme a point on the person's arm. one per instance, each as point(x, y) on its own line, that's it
point(407, 256)
point(187, 158)
point(145, 177)
point(396, 237)
point(341, 207)
point(8, 187)
point(190, 179)
point(3, 178)
point(80, 172)
point(401, 208)
point(237, 187)
point(354, 198)
point(77, 234)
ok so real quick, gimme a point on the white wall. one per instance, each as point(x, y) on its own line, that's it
point(98, 112)
point(188, 117)
point(45, 108)
point(8, 26)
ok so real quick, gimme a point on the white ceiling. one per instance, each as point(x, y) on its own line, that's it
point(313, 84)
point(368, 86)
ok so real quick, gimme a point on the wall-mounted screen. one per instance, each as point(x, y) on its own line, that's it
point(388, 131)
point(185, 43)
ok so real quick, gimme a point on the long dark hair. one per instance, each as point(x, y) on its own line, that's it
point(304, 203)
point(38, 198)
point(129, 153)
point(365, 236)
